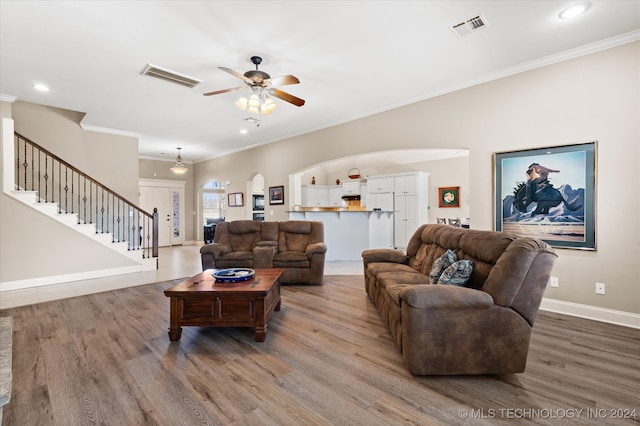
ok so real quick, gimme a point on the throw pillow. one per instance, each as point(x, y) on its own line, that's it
point(440, 264)
point(457, 274)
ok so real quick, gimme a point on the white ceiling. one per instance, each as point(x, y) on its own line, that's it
point(353, 59)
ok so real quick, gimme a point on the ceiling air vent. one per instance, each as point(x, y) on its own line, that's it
point(168, 75)
point(470, 25)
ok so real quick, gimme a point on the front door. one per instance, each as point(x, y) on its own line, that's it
point(170, 204)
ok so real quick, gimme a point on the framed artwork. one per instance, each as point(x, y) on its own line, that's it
point(548, 194)
point(449, 196)
point(276, 195)
point(235, 199)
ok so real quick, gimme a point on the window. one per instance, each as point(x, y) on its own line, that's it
point(213, 200)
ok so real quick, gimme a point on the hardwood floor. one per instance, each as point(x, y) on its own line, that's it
point(328, 359)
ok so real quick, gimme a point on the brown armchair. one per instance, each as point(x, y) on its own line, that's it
point(301, 251)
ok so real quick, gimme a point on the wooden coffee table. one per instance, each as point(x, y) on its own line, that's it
point(201, 301)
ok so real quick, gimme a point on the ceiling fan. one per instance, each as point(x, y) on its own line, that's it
point(261, 84)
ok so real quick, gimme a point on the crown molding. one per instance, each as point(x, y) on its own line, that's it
point(7, 98)
point(108, 130)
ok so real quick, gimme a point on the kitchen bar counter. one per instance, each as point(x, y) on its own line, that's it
point(347, 232)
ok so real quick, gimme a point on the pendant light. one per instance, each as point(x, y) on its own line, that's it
point(179, 167)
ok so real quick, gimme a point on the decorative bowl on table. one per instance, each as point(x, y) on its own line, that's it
point(233, 275)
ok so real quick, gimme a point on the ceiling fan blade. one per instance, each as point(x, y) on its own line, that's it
point(237, 74)
point(287, 97)
point(283, 80)
point(217, 92)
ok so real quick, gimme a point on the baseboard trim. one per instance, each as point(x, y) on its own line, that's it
point(58, 279)
point(626, 319)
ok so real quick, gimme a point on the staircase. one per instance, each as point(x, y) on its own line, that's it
point(63, 193)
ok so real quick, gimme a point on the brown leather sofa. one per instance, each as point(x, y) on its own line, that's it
point(297, 246)
point(483, 327)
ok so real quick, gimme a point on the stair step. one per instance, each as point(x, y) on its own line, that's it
point(29, 197)
point(86, 228)
point(105, 238)
point(70, 219)
point(47, 208)
point(150, 264)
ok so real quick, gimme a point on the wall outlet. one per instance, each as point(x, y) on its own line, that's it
point(553, 282)
point(599, 288)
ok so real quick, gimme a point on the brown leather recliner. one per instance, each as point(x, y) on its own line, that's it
point(481, 328)
point(301, 251)
point(296, 246)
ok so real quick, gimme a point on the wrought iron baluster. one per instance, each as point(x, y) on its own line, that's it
point(142, 235)
point(46, 178)
point(59, 187)
point(101, 210)
point(25, 164)
point(72, 193)
point(118, 202)
point(39, 168)
point(83, 208)
point(148, 236)
point(66, 190)
point(128, 221)
point(113, 220)
point(90, 202)
point(32, 169)
point(136, 234)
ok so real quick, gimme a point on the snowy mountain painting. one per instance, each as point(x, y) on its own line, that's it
point(548, 194)
point(561, 213)
point(559, 223)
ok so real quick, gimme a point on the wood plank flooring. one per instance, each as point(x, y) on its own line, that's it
point(328, 359)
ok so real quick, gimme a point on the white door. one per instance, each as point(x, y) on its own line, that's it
point(159, 198)
point(170, 204)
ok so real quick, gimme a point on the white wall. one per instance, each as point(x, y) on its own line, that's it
point(594, 97)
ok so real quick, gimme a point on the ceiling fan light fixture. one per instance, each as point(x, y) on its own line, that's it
point(242, 103)
point(178, 167)
point(268, 106)
point(254, 101)
point(259, 102)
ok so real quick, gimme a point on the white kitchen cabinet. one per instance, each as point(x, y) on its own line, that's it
point(351, 188)
point(335, 196)
point(382, 201)
point(411, 204)
point(406, 184)
point(380, 184)
point(315, 196)
point(406, 219)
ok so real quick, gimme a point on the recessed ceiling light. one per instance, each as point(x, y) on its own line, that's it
point(243, 131)
point(41, 87)
point(574, 10)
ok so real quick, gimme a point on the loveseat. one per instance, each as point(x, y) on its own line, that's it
point(297, 246)
point(482, 326)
